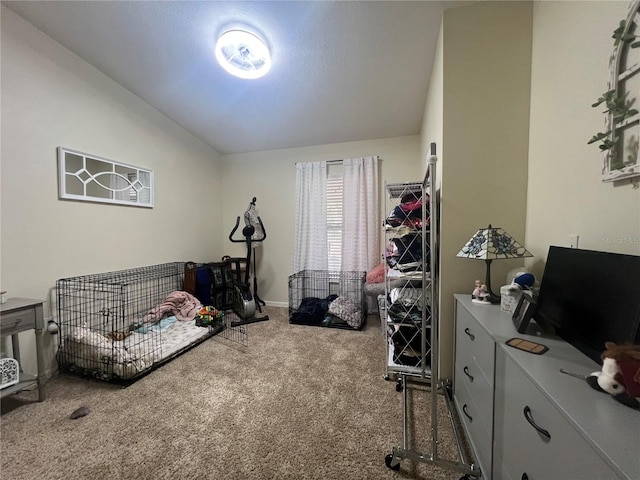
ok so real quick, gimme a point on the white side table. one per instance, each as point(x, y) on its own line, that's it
point(19, 315)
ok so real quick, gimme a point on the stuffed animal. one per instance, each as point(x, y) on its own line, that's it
point(209, 316)
point(620, 374)
point(524, 280)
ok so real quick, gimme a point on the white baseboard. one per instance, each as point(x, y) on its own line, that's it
point(277, 304)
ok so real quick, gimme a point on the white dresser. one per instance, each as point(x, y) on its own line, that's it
point(525, 419)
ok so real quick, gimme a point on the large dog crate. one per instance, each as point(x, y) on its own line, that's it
point(117, 326)
point(328, 298)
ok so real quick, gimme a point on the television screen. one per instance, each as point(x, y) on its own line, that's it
point(590, 298)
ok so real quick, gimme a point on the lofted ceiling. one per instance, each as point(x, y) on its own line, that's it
point(342, 71)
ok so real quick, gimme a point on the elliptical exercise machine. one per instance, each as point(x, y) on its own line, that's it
point(254, 233)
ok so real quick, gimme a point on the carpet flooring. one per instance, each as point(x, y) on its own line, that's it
point(297, 402)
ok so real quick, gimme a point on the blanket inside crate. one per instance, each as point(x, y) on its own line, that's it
point(333, 310)
point(126, 358)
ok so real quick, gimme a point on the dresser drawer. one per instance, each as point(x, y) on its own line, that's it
point(473, 340)
point(557, 452)
point(474, 424)
point(469, 377)
point(18, 321)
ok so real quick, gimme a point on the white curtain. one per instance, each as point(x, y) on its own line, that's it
point(360, 212)
point(310, 250)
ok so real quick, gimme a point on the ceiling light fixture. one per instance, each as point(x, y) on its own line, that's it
point(243, 54)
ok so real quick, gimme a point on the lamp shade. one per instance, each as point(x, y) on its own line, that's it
point(492, 243)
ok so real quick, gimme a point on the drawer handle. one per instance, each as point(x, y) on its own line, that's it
point(466, 372)
point(541, 431)
point(524, 476)
point(464, 410)
point(471, 335)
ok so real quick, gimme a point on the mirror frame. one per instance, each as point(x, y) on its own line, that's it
point(615, 166)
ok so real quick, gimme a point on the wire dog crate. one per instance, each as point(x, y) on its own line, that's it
point(117, 326)
point(328, 298)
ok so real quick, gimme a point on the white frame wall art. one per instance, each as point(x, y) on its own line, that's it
point(90, 178)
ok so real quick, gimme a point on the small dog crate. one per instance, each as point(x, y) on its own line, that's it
point(117, 326)
point(328, 298)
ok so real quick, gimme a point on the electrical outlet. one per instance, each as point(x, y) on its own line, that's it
point(573, 240)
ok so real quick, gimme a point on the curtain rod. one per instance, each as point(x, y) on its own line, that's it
point(326, 161)
point(338, 161)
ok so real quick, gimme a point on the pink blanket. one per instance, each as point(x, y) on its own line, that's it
point(181, 304)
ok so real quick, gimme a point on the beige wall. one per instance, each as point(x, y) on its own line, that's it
point(484, 78)
point(52, 98)
point(270, 176)
point(505, 156)
point(571, 48)
point(432, 120)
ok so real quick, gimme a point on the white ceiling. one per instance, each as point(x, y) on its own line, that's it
point(342, 71)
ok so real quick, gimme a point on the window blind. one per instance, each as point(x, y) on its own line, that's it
point(334, 220)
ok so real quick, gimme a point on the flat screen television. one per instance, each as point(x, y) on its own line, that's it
point(590, 297)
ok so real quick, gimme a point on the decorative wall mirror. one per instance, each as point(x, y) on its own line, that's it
point(89, 178)
point(620, 141)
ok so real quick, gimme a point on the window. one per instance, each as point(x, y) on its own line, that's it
point(334, 218)
point(336, 226)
